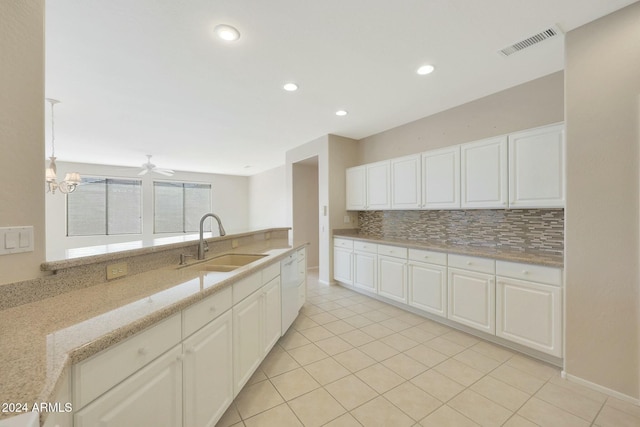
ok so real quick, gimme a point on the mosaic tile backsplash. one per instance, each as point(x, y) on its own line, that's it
point(525, 230)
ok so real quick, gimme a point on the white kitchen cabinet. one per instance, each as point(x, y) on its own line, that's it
point(378, 186)
point(302, 273)
point(536, 168)
point(272, 314)
point(484, 174)
point(150, 397)
point(208, 373)
point(427, 281)
point(441, 178)
point(406, 189)
point(529, 306)
point(256, 327)
point(343, 261)
point(369, 186)
point(365, 266)
point(247, 339)
point(471, 298)
point(392, 272)
point(356, 178)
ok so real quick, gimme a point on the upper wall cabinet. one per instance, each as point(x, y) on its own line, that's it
point(484, 174)
point(406, 183)
point(369, 187)
point(536, 168)
point(441, 178)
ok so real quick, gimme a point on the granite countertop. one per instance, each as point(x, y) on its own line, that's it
point(548, 260)
point(41, 340)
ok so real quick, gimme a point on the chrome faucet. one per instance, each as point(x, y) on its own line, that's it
point(201, 245)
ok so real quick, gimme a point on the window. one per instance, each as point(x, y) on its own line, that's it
point(179, 206)
point(105, 206)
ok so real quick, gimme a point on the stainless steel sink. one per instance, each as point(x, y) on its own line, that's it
point(229, 262)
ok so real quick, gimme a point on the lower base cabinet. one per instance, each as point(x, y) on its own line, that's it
point(150, 397)
point(472, 299)
point(257, 325)
point(530, 314)
point(428, 287)
point(364, 271)
point(392, 278)
point(208, 377)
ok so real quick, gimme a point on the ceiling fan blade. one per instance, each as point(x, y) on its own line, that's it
point(166, 172)
point(143, 172)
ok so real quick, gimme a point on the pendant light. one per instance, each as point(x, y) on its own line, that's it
point(72, 179)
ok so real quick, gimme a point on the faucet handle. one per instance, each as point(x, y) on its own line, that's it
point(183, 258)
point(206, 246)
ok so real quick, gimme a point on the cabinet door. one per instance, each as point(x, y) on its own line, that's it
point(428, 287)
point(247, 339)
point(392, 281)
point(364, 276)
point(530, 314)
point(484, 173)
point(472, 299)
point(272, 314)
point(441, 178)
point(536, 168)
point(342, 265)
point(406, 190)
point(208, 373)
point(150, 397)
point(378, 184)
point(356, 188)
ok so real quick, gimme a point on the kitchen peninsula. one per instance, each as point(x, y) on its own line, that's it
point(76, 313)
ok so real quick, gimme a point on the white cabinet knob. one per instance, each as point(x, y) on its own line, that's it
point(142, 351)
point(179, 358)
point(469, 263)
point(212, 309)
point(189, 351)
point(525, 271)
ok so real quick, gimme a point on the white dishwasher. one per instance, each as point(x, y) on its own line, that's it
point(289, 290)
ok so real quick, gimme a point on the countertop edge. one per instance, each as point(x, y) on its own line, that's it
point(504, 255)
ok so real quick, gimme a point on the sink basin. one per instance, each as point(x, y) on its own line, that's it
point(229, 262)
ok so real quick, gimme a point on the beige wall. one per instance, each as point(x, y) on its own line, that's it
point(535, 103)
point(602, 256)
point(306, 211)
point(267, 199)
point(22, 131)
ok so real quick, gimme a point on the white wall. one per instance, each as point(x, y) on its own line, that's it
point(268, 199)
point(230, 201)
point(22, 131)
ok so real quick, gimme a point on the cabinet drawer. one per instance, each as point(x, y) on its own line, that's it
point(94, 376)
point(365, 247)
point(394, 251)
point(270, 272)
point(481, 265)
point(203, 312)
point(439, 258)
point(246, 287)
point(302, 254)
point(343, 243)
point(533, 273)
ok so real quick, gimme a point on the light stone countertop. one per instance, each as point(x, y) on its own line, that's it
point(39, 341)
point(548, 260)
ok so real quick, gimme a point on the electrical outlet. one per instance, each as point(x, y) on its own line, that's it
point(347, 219)
point(234, 243)
point(116, 270)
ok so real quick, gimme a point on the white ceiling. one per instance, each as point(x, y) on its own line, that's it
point(140, 77)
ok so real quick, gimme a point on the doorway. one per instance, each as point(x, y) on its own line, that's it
point(306, 210)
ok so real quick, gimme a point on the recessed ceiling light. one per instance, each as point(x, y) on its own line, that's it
point(341, 113)
point(227, 32)
point(290, 87)
point(425, 69)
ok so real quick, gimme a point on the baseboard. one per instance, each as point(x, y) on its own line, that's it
point(599, 388)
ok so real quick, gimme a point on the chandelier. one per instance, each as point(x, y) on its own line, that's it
point(72, 179)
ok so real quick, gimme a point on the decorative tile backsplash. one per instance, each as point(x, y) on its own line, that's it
point(525, 230)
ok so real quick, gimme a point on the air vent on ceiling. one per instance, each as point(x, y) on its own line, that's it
point(530, 41)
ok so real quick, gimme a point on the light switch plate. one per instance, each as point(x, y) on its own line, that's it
point(14, 240)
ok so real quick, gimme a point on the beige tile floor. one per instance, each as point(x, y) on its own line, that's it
point(350, 360)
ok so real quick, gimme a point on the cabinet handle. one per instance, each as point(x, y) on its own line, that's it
point(469, 263)
point(189, 351)
point(179, 358)
point(212, 309)
point(142, 351)
point(525, 271)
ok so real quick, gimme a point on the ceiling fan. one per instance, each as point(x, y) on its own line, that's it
point(146, 167)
